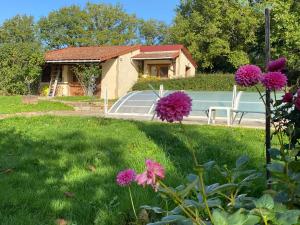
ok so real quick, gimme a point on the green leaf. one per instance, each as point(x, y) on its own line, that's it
point(294, 166)
point(214, 202)
point(154, 209)
point(223, 187)
point(288, 218)
point(220, 218)
point(276, 167)
point(186, 191)
point(252, 220)
point(266, 201)
point(209, 165)
point(242, 161)
point(237, 218)
point(190, 203)
point(274, 153)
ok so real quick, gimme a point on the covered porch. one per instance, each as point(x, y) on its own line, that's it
point(160, 64)
point(62, 81)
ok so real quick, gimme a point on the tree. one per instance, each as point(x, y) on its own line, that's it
point(152, 32)
point(110, 24)
point(64, 27)
point(20, 67)
point(285, 38)
point(87, 75)
point(20, 28)
point(96, 24)
point(219, 33)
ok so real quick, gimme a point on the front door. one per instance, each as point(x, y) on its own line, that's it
point(160, 70)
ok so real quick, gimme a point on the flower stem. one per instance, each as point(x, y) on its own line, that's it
point(260, 94)
point(189, 145)
point(132, 204)
point(177, 200)
point(204, 196)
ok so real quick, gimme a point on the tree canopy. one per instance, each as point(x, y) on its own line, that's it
point(20, 28)
point(20, 67)
point(221, 34)
point(152, 32)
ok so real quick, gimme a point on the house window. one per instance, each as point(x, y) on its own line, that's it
point(187, 71)
point(159, 70)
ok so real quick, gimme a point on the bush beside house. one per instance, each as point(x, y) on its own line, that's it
point(202, 82)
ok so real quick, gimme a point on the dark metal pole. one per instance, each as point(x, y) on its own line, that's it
point(268, 97)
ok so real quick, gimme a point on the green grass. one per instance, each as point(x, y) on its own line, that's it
point(78, 98)
point(51, 155)
point(201, 82)
point(13, 104)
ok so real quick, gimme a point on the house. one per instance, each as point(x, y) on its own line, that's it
point(121, 66)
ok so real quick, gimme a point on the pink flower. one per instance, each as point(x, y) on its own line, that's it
point(248, 75)
point(125, 177)
point(297, 100)
point(288, 97)
point(277, 65)
point(274, 80)
point(174, 107)
point(154, 172)
point(297, 103)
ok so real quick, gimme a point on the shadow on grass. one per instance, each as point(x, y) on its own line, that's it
point(44, 180)
point(51, 159)
point(220, 144)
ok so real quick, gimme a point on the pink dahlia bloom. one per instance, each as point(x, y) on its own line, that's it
point(297, 103)
point(248, 75)
point(174, 107)
point(125, 177)
point(274, 80)
point(154, 172)
point(288, 97)
point(277, 65)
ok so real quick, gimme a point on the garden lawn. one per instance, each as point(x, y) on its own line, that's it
point(65, 167)
point(13, 104)
point(79, 98)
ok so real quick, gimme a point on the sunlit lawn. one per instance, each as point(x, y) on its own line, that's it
point(78, 98)
point(42, 158)
point(13, 104)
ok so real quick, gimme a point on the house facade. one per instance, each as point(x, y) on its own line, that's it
point(121, 66)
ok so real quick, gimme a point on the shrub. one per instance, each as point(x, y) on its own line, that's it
point(201, 82)
point(20, 67)
point(44, 90)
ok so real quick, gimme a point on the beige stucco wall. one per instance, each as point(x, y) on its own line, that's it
point(119, 75)
point(181, 62)
point(109, 78)
point(128, 73)
point(171, 71)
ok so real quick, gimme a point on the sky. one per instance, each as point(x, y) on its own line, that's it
point(163, 10)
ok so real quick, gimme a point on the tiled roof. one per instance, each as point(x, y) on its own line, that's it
point(157, 55)
point(102, 53)
point(160, 48)
point(97, 53)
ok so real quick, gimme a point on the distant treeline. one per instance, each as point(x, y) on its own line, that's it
point(220, 34)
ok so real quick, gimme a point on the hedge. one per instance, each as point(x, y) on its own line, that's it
point(201, 82)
